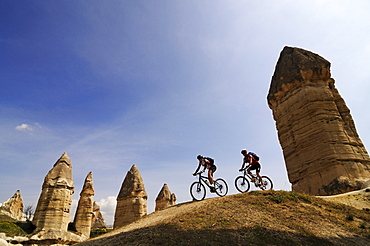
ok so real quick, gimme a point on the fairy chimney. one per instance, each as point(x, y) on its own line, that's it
point(85, 208)
point(98, 219)
point(322, 150)
point(52, 211)
point(165, 198)
point(131, 200)
point(13, 207)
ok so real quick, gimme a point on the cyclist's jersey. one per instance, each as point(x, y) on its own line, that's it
point(247, 159)
point(208, 162)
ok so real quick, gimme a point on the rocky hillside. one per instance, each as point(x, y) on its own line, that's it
point(255, 218)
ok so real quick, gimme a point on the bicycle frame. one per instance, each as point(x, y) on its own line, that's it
point(203, 179)
point(246, 174)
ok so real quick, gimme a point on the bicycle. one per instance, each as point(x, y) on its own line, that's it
point(198, 190)
point(242, 182)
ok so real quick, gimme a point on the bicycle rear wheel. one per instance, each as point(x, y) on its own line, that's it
point(221, 187)
point(267, 183)
point(242, 184)
point(197, 191)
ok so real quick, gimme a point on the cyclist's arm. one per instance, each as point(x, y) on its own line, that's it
point(196, 171)
point(243, 164)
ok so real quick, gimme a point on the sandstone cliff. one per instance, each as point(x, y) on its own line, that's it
point(131, 200)
point(84, 213)
point(165, 198)
point(322, 150)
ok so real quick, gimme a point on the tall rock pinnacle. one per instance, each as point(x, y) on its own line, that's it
point(52, 211)
point(85, 209)
point(322, 150)
point(131, 200)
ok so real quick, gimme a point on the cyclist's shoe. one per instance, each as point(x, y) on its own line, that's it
point(213, 189)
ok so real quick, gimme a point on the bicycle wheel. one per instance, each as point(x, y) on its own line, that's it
point(197, 191)
point(221, 187)
point(267, 183)
point(242, 184)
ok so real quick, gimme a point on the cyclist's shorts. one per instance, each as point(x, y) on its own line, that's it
point(213, 168)
point(256, 167)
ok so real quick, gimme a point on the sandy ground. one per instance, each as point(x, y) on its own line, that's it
point(359, 199)
point(158, 217)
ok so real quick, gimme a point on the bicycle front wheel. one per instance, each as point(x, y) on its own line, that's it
point(267, 183)
point(197, 191)
point(221, 187)
point(242, 184)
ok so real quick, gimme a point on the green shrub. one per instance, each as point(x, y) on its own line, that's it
point(363, 225)
point(283, 196)
point(26, 226)
point(98, 232)
point(350, 217)
point(11, 229)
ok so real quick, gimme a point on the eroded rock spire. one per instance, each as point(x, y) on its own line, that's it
point(13, 207)
point(322, 150)
point(85, 209)
point(165, 198)
point(53, 207)
point(131, 200)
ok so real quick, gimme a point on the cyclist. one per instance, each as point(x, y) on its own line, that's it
point(207, 162)
point(252, 164)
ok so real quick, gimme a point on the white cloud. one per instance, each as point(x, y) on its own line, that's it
point(24, 127)
point(107, 208)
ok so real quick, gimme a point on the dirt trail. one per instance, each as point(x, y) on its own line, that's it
point(359, 199)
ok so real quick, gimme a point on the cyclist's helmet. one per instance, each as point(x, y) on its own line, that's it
point(199, 157)
point(244, 151)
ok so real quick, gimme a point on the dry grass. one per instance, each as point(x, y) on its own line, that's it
point(255, 218)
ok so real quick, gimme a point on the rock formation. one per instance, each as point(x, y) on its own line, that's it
point(52, 211)
point(165, 198)
point(322, 150)
point(84, 212)
point(131, 200)
point(98, 221)
point(13, 207)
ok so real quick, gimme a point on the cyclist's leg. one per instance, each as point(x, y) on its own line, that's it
point(249, 171)
point(211, 171)
point(210, 176)
point(258, 171)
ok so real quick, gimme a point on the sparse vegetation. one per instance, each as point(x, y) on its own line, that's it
point(363, 225)
point(11, 229)
point(29, 211)
point(98, 232)
point(350, 217)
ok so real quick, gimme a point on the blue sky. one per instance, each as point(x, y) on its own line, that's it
point(155, 83)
